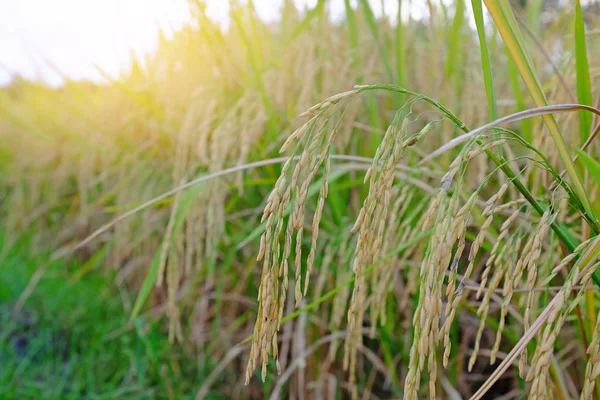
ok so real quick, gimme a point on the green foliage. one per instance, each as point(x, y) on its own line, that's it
point(486, 63)
point(73, 340)
point(584, 86)
point(592, 165)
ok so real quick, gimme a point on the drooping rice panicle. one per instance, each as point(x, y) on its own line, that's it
point(381, 278)
point(579, 275)
point(592, 369)
point(288, 190)
point(511, 250)
point(371, 222)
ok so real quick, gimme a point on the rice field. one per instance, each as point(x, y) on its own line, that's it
point(318, 208)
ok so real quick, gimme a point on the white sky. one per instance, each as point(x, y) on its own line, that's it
point(39, 37)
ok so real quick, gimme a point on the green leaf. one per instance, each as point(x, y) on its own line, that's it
point(400, 48)
point(534, 13)
point(454, 42)
point(513, 75)
point(92, 263)
point(370, 100)
point(486, 64)
point(584, 87)
point(592, 166)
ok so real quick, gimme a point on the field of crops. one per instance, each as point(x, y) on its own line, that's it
point(312, 208)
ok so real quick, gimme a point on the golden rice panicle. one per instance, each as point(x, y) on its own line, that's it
point(315, 225)
point(427, 315)
point(540, 363)
point(502, 266)
point(563, 306)
point(498, 250)
point(327, 103)
point(482, 311)
point(511, 250)
point(315, 154)
point(329, 252)
point(458, 232)
point(489, 211)
point(381, 277)
point(370, 226)
point(438, 258)
point(532, 266)
point(592, 369)
point(341, 298)
point(456, 296)
point(274, 278)
point(271, 291)
point(527, 262)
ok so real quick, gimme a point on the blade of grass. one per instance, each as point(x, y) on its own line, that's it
point(534, 12)
point(400, 48)
point(454, 40)
point(485, 60)
point(515, 83)
point(584, 96)
point(584, 86)
point(374, 119)
point(591, 165)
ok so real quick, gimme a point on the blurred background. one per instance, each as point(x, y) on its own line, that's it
point(105, 105)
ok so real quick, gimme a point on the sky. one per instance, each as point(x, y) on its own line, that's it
point(46, 39)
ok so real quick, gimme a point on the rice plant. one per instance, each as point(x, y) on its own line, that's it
point(313, 233)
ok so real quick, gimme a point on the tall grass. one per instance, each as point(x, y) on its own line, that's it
point(394, 260)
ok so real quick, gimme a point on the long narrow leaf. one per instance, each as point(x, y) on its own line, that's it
point(592, 166)
point(400, 48)
point(486, 64)
point(370, 100)
point(584, 87)
point(454, 42)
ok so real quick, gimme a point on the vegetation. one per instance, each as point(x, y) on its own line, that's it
point(71, 340)
point(429, 230)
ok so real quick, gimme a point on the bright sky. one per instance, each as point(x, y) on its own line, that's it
point(40, 37)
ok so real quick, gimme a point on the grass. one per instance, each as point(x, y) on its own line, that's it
point(422, 234)
point(72, 341)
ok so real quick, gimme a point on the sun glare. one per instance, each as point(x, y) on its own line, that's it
point(46, 39)
point(50, 40)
